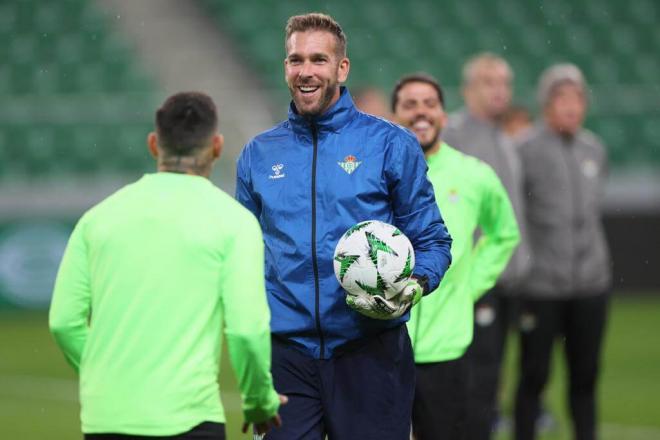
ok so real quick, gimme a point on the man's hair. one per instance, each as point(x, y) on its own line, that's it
point(478, 60)
point(185, 123)
point(316, 21)
point(556, 75)
point(420, 77)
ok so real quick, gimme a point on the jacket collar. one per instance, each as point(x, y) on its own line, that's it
point(336, 117)
point(564, 139)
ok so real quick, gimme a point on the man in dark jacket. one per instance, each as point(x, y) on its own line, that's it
point(565, 295)
point(308, 180)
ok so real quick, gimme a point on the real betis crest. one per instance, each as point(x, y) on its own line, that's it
point(349, 164)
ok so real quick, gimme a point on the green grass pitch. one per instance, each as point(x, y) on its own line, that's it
point(38, 397)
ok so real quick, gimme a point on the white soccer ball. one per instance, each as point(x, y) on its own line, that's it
point(374, 258)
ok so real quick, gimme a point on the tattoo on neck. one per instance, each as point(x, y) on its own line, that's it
point(183, 165)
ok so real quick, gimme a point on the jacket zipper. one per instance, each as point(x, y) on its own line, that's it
point(572, 187)
point(315, 264)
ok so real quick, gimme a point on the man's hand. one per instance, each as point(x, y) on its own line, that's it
point(413, 292)
point(263, 427)
point(377, 307)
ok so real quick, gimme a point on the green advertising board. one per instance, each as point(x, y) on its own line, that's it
point(30, 253)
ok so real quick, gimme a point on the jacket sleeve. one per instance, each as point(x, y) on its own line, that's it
point(244, 193)
point(247, 321)
point(499, 238)
point(416, 212)
point(71, 302)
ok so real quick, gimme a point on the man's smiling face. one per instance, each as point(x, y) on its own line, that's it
point(419, 109)
point(314, 70)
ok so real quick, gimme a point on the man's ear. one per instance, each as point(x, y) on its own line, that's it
point(343, 69)
point(152, 144)
point(218, 143)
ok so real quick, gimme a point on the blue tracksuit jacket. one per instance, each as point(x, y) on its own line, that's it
point(308, 181)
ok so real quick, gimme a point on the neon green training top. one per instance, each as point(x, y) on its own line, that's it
point(150, 279)
point(471, 197)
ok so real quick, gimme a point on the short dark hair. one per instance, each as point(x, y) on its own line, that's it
point(185, 123)
point(414, 78)
point(316, 21)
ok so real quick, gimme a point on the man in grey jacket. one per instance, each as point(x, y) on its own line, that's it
point(477, 131)
point(564, 168)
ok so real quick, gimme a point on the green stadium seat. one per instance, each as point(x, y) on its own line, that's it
point(45, 80)
point(22, 47)
point(22, 79)
point(403, 43)
point(511, 13)
point(5, 80)
point(535, 42)
point(613, 133)
point(580, 41)
point(605, 70)
point(425, 16)
point(70, 48)
point(470, 14)
point(131, 150)
point(450, 45)
point(650, 128)
point(623, 39)
point(647, 67)
point(4, 152)
point(596, 13)
point(8, 15)
point(522, 70)
point(644, 12)
point(39, 150)
point(49, 18)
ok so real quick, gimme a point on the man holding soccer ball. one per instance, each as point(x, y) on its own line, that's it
point(471, 198)
point(348, 372)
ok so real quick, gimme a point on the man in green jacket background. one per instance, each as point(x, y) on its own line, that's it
point(149, 280)
point(471, 198)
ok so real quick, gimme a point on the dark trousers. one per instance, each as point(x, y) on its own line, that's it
point(203, 431)
point(365, 392)
point(581, 322)
point(440, 406)
point(493, 315)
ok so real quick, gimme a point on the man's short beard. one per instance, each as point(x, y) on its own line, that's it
point(323, 103)
point(426, 147)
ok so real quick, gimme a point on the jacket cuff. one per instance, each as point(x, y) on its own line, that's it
point(423, 281)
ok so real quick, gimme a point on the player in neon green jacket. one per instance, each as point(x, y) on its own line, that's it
point(471, 198)
point(151, 278)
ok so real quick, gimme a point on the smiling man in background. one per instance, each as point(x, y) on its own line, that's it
point(471, 197)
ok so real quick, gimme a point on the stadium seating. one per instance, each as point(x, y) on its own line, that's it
point(615, 43)
point(74, 98)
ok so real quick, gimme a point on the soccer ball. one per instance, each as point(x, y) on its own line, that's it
point(374, 258)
